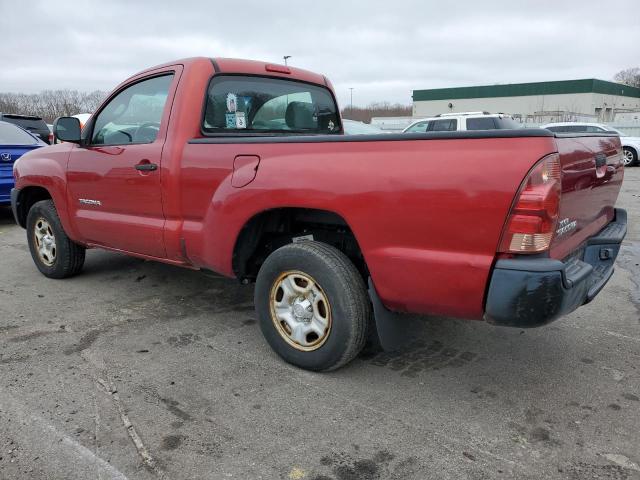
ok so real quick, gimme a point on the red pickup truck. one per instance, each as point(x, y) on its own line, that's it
point(243, 168)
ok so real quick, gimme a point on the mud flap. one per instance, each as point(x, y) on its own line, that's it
point(394, 329)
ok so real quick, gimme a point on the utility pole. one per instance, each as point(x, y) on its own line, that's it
point(351, 106)
point(286, 57)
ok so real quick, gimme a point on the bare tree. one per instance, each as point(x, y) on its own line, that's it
point(629, 76)
point(50, 104)
point(92, 100)
point(377, 109)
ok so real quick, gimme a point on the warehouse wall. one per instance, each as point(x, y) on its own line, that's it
point(584, 103)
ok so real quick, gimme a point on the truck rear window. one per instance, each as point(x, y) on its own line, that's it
point(246, 104)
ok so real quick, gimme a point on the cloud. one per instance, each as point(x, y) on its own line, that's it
point(382, 49)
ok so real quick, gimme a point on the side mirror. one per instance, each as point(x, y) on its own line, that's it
point(67, 129)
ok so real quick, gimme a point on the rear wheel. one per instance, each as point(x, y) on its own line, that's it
point(53, 252)
point(629, 157)
point(312, 305)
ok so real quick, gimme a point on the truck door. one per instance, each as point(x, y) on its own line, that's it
point(114, 180)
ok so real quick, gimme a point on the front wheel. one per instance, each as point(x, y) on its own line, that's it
point(629, 157)
point(312, 305)
point(53, 252)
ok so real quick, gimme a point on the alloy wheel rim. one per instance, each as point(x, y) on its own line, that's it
point(45, 242)
point(627, 157)
point(300, 310)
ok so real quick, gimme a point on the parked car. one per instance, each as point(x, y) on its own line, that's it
point(242, 168)
point(353, 127)
point(630, 145)
point(34, 125)
point(451, 122)
point(83, 117)
point(14, 142)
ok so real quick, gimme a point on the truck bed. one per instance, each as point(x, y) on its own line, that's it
point(426, 209)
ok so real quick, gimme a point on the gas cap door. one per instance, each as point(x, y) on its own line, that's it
point(245, 168)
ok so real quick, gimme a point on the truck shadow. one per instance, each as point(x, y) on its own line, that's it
point(436, 343)
point(447, 346)
point(483, 360)
point(166, 292)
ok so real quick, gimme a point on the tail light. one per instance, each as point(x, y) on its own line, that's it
point(534, 215)
point(50, 138)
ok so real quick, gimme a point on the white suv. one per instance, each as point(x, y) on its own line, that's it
point(451, 122)
point(630, 145)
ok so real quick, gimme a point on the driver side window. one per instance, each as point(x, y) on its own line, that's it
point(134, 114)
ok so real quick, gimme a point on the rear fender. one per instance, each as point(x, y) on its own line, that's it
point(234, 208)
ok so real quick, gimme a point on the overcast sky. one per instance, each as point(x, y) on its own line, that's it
point(383, 49)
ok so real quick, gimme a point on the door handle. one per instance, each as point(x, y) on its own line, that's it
point(146, 167)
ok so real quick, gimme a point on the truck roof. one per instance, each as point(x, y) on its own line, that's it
point(249, 67)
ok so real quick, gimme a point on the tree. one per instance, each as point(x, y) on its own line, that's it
point(629, 76)
point(50, 104)
point(377, 109)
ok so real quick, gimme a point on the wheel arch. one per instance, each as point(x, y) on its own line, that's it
point(270, 229)
point(27, 197)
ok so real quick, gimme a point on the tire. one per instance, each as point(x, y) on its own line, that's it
point(334, 280)
point(630, 157)
point(61, 257)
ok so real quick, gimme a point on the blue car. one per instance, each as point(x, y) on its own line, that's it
point(14, 142)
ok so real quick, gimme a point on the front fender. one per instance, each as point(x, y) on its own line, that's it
point(46, 168)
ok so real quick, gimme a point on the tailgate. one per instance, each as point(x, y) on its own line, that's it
point(592, 174)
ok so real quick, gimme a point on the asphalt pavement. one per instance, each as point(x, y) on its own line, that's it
point(140, 370)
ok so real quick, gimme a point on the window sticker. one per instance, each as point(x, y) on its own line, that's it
point(232, 102)
point(230, 120)
point(241, 120)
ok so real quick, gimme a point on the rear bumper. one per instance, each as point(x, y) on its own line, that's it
point(531, 292)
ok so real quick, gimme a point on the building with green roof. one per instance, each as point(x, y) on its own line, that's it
point(564, 100)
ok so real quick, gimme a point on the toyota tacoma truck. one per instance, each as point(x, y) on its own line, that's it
point(242, 168)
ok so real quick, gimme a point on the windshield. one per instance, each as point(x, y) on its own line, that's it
point(242, 104)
